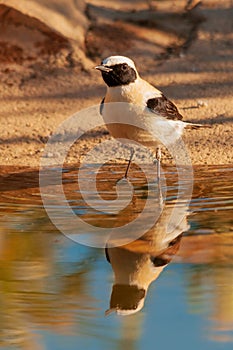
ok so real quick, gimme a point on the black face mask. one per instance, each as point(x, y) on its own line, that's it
point(121, 74)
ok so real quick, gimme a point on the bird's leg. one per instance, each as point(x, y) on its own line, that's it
point(158, 156)
point(129, 162)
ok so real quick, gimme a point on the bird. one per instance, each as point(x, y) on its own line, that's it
point(153, 110)
point(139, 263)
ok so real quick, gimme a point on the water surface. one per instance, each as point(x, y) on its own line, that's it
point(54, 292)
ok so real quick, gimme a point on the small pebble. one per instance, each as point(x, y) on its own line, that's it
point(49, 155)
point(201, 103)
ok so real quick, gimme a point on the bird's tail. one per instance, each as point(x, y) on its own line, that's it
point(196, 126)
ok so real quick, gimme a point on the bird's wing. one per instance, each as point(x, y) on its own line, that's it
point(164, 107)
point(102, 106)
point(167, 254)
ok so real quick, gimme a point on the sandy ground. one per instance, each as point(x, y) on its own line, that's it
point(185, 53)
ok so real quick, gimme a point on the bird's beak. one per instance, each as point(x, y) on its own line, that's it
point(110, 311)
point(103, 68)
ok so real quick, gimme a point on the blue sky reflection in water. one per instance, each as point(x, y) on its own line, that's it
point(167, 320)
point(54, 292)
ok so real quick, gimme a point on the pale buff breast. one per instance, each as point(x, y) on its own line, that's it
point(132, 268)
point(127, 104)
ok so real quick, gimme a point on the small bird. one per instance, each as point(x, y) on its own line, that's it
point(154, 111)
point(137, 264)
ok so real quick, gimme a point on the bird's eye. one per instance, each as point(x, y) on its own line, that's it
point(124, 66)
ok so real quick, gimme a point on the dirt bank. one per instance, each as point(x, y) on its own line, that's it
point(186, 53)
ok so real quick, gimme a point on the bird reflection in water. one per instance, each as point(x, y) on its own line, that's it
point(137, 264)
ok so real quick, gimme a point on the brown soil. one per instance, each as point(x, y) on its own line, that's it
point(187, 53)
